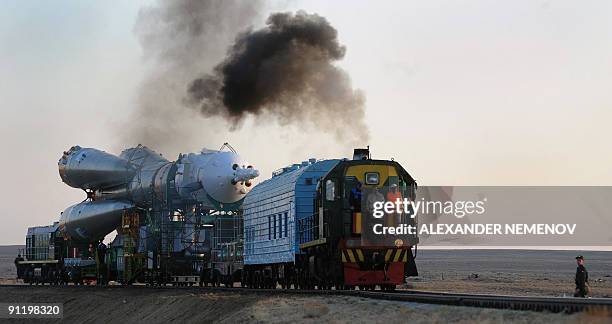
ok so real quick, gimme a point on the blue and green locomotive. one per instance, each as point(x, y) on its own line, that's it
point(302, 227)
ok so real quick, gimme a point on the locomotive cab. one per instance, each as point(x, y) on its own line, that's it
point(342, 243)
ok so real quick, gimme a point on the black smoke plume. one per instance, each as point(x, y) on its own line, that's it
point(285, 70)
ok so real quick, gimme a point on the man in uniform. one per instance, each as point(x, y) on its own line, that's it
point(19, 266)
point(101, 263)
point(582, 278)
point(355, 197)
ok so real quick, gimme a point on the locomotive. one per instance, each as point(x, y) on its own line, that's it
point(303, 229)
point(49, 258)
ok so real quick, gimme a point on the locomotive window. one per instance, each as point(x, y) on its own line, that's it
point(280, 225)
point(285, 224)
point(274, 226)
point(269, 228)
point(330, 190)
point(372, 178)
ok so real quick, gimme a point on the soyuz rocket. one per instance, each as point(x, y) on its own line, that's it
point(141, 178)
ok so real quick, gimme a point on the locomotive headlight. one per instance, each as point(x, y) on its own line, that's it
point(372, 178)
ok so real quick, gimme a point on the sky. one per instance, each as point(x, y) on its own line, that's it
point(459, 92)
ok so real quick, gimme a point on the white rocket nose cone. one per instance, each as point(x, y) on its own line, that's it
point(224, 175)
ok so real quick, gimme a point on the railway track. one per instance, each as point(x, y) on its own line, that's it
point(524, 303)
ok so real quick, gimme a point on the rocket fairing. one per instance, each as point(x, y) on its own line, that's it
point(88, 168)
point(139, 177)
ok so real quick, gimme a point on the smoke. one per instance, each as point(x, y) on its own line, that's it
point(179, 39)
point(206, 55)
point(285, 70)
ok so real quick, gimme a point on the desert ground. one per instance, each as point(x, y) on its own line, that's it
point(140, 304)
point(511, 272)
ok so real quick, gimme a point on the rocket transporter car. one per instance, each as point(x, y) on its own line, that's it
point(199, 220)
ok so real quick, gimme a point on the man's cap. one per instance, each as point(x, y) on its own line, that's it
point(580, 257)
point(394, 186)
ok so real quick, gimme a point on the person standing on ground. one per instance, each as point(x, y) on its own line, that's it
point(582, 278)
point(18, 266)
point(101, 263)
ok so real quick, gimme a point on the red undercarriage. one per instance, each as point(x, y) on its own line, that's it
point(355, 277)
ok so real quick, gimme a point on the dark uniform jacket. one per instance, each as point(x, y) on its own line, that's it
point(19, 266)
point(355, 198)
point(582, 276)
point(582, 280)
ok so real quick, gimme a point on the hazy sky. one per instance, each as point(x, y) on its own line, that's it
point(459, 92)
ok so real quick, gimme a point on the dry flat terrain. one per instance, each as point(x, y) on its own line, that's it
point(147, 305)
point(511, 272)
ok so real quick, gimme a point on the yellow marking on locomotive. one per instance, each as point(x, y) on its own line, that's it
point(391, 255)
point(360, 255)
point(356, 223)
point(398, 254)
point(388, 255)
point(359, 171)
point(351, 256)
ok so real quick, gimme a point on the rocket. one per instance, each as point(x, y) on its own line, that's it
point(141, 178)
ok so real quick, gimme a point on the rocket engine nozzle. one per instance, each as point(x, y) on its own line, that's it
point(244, 174)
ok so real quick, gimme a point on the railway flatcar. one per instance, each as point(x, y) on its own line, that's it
point(303, 228)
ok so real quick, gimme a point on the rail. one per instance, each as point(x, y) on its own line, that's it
point(521, 303)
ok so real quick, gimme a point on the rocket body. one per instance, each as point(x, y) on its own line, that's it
point(141, 178)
